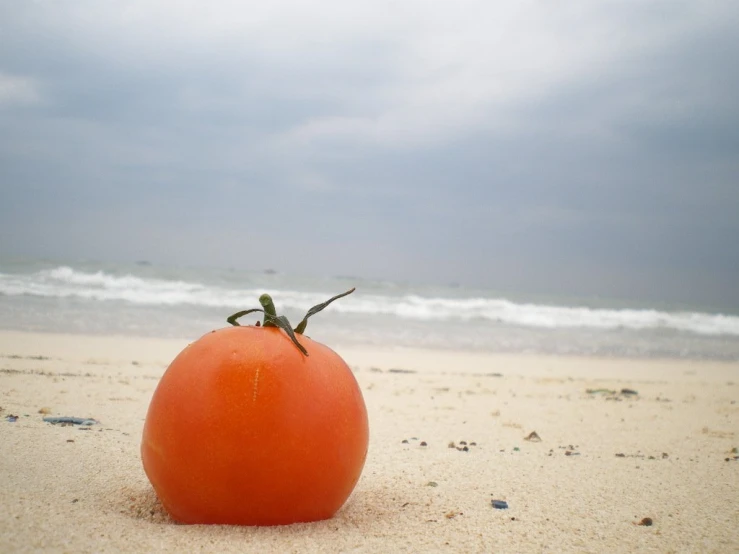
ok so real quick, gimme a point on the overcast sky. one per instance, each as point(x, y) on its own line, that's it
point(576, 147)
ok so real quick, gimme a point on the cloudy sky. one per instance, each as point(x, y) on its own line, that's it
point(575, 147)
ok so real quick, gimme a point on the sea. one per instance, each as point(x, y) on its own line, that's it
point(146, 299)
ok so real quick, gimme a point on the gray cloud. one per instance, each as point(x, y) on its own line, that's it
point(589, 148)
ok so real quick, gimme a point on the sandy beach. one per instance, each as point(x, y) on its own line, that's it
point(448, 436)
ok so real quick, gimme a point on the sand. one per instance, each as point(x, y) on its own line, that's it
point(604, 463)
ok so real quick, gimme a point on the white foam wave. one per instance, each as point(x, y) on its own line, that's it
point(66, 282)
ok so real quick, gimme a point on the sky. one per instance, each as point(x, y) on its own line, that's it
point(579, 147)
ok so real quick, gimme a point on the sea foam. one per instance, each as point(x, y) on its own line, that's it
point(66, 282)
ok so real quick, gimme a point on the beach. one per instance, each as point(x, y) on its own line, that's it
point(590, 454)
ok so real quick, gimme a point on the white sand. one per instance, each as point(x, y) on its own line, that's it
point(67, 490)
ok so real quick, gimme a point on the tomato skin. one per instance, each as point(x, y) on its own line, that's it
point(244, 429)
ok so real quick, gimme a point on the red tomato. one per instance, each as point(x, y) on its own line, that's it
point(245, 429)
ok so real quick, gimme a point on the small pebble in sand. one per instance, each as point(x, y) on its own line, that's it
point(423, 443)
point(533, 437)
point(499, 504)
point(44, 410)
point(646, 522)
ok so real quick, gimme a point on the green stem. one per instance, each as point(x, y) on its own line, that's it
point(274, 321)
point(271, 319)
point(270, 313)
point(300, 329)
point(232, 319)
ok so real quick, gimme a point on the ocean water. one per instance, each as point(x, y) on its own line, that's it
point(147, 300)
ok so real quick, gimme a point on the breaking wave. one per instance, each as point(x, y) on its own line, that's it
point(66, 282)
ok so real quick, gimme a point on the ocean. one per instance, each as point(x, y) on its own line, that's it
point(144, 299)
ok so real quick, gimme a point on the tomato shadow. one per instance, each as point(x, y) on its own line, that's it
point(381, 503)
point(142, 503)
point(363, 506)
point(366, 504)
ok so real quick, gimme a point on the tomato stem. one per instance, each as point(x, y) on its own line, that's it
point(270, 313)
point(317, 308)
point(271, 319)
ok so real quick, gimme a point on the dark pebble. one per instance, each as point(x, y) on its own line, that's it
point(646, 522)
point(499, 504)
point(69, 420)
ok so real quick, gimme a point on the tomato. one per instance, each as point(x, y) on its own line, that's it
point(244, 428)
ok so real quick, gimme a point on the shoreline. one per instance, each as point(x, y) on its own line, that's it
point(605, 461)
point(425, 357)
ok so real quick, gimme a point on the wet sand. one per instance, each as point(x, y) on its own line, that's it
point(448, 436)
